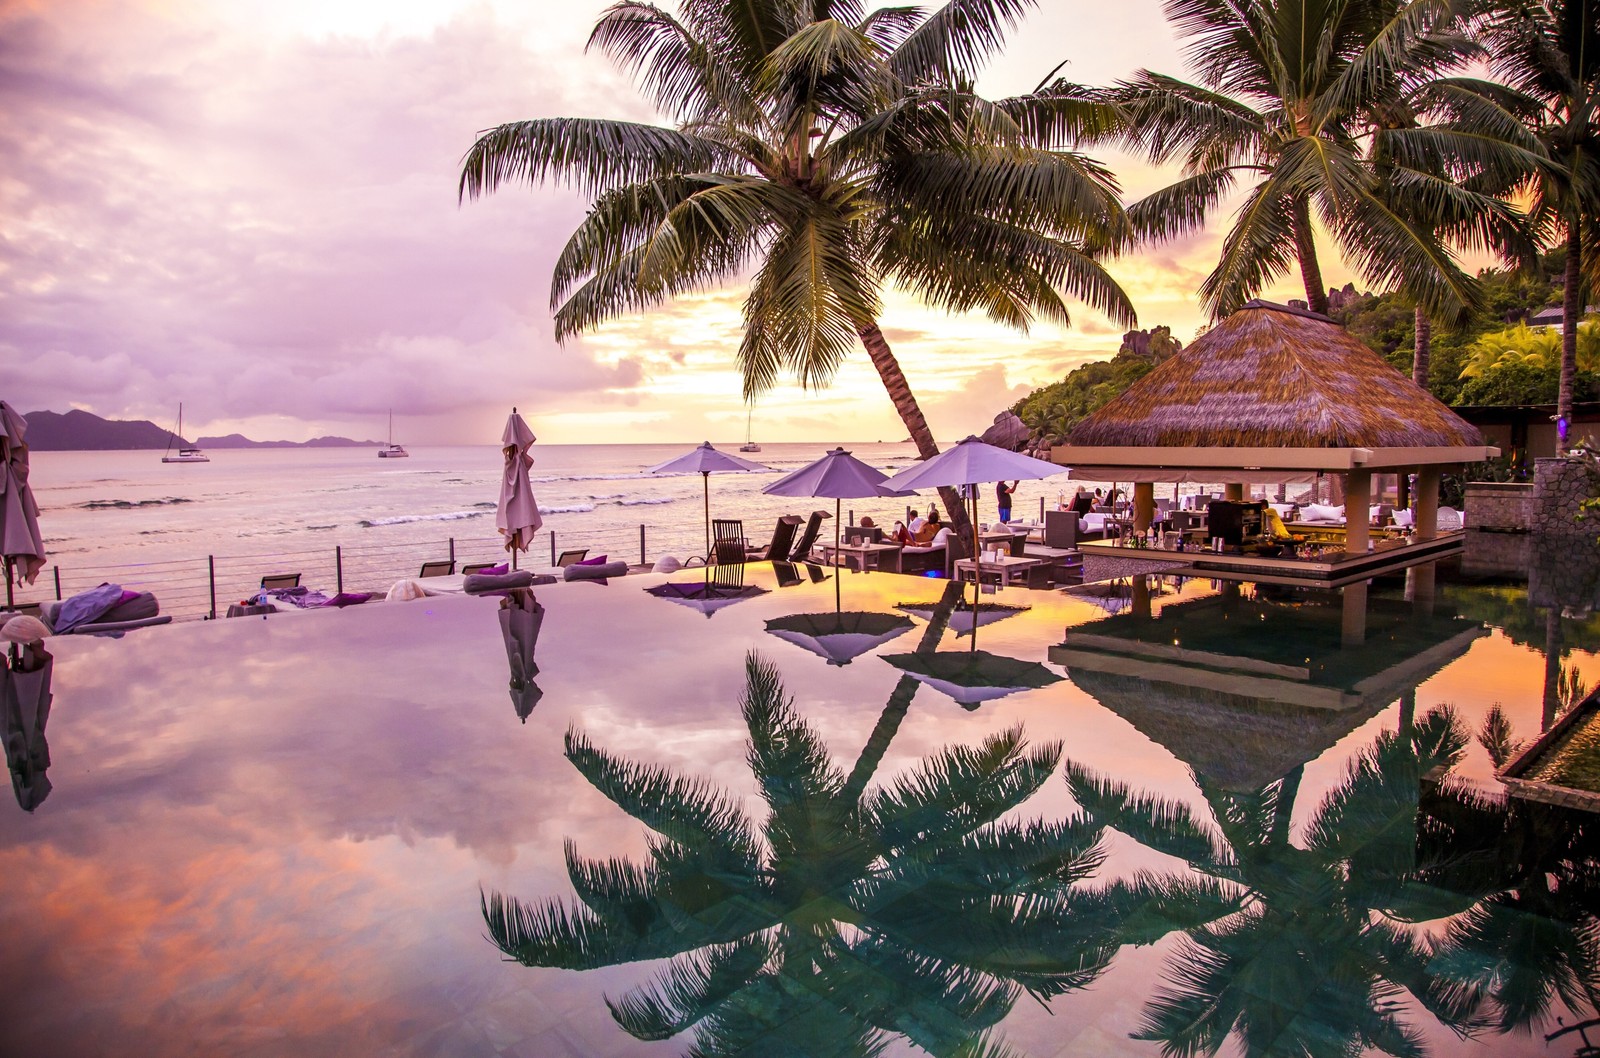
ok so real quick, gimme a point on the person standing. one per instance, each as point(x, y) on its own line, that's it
point(1003, 494)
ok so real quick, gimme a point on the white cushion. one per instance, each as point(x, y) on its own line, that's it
point(940, 537)
point(668, 564)
point(1317, 512)
point(1404, 517)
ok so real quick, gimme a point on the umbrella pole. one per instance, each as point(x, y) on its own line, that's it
point(977, 567)
point(705, 478)
point(837, 558)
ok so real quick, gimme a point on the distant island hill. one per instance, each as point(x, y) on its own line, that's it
point(81, 431)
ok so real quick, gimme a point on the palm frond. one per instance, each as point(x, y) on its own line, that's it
point(591, 154)
point(954, 42)
point(826, 70)
point(687, 811)
point(1258, 248)
point(1170, 119)
point(679, 73)
point(788, 759)
point(690, 989)
point(1164, 825)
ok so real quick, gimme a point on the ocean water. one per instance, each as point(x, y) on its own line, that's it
point(129, 518)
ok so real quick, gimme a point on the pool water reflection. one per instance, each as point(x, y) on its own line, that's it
point(291, 836)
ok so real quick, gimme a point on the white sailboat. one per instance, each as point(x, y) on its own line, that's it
point(749, 443)
point(186, 454)
point(392, 450)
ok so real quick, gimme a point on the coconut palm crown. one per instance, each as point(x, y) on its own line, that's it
point(1297, 102)
point(824, 152)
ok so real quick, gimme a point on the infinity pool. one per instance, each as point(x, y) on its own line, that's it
point(809, 817)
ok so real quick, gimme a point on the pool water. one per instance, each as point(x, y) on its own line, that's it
point(789, 815)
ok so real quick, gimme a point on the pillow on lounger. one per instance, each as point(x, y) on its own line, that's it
point(1317, 512)
point(142, 605)
point(583, 571)
point(476, 582)
point(598, 560)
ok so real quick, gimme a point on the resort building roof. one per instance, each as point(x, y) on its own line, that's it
point(1270, 390)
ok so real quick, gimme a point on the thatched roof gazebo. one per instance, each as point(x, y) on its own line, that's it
point(1274, 394)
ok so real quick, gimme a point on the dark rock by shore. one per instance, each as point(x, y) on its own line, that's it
point(81, 431)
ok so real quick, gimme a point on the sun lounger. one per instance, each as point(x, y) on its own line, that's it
point(441, 568)
point(808, 538)
point(727, 541)
point(567, 558)
point(934, 555)
point(781, 544)
point(113, 612)
point(280, 580)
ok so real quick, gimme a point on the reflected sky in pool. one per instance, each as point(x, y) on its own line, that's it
point(273, 836)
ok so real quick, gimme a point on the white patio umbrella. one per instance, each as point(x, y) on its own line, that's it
point(973, 677)
point(21, 543)
point(839, 637)
point(706, 461)
point(838, 476)
point(971, 462)
point(517, 516)
point(963, 622)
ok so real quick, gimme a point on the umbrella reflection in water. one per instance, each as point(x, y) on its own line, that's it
point(839, 637)
point(972, 677)
point(521, 616)
point(25, 702)
point(723, 586)
point(963, 621)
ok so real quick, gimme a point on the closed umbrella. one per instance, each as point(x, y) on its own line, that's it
point(706, 461)
point(521, 617)
point(21, 543)
point(839, 637)
point(517, 516)
point(24, 708)
point(975, 676)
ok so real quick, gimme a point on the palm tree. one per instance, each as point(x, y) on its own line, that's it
point(1286, 98)
point(830, 151)
point(1549, 52)
point(1309, 952)
point(847, 916)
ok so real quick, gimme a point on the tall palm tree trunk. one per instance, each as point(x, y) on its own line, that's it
point(894, 381)
point(1571, 313)
point(1305, 246)
point(1420, 357)
point(894, 711)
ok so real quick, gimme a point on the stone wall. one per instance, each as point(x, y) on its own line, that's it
point(1560, 486)
point(1494, 506)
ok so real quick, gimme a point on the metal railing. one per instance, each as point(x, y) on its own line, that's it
point(204, 586)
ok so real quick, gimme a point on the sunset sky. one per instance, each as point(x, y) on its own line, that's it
point(250, 206)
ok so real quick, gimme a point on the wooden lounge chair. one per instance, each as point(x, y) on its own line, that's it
point(442, 568)
point(808, 539)
point(476, 567)
point(727, 541)
point(780, 545)
point(571, 558)
point(280, 580)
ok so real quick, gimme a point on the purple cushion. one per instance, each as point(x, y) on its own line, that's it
point(348, 598)
point(598, 560)
point(128, 595)
point(495, 571)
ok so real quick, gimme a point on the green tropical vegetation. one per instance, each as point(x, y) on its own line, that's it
point(1052, 411)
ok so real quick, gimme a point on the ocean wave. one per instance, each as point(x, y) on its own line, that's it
point(407, 519)
point(571, 508)
point(128, 505)
point(646, 500)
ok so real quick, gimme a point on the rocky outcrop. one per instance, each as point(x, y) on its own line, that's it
point(1008, 432)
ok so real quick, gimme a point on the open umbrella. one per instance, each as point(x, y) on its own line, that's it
point(962, 622)
point(838, 476)
point(972, 677)
point(706, 461)
point(21, 543)
point(517, 516)
point(711, 594)
point(24, 708)
point(521, 616)
point(839, 637)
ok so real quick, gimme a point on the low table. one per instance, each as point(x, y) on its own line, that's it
point(867, 556)
point(1007, 567)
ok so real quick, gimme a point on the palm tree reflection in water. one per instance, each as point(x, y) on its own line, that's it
point(848, 915)
point(1314, 949)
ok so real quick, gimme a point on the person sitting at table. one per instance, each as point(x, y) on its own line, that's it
point(917, 522)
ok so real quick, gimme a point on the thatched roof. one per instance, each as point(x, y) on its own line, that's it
point(1272, 376)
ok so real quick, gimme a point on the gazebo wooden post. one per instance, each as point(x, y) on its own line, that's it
point(1427, 502)
point(1144, 506)
point(1357, 511)
point(1353, 614)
